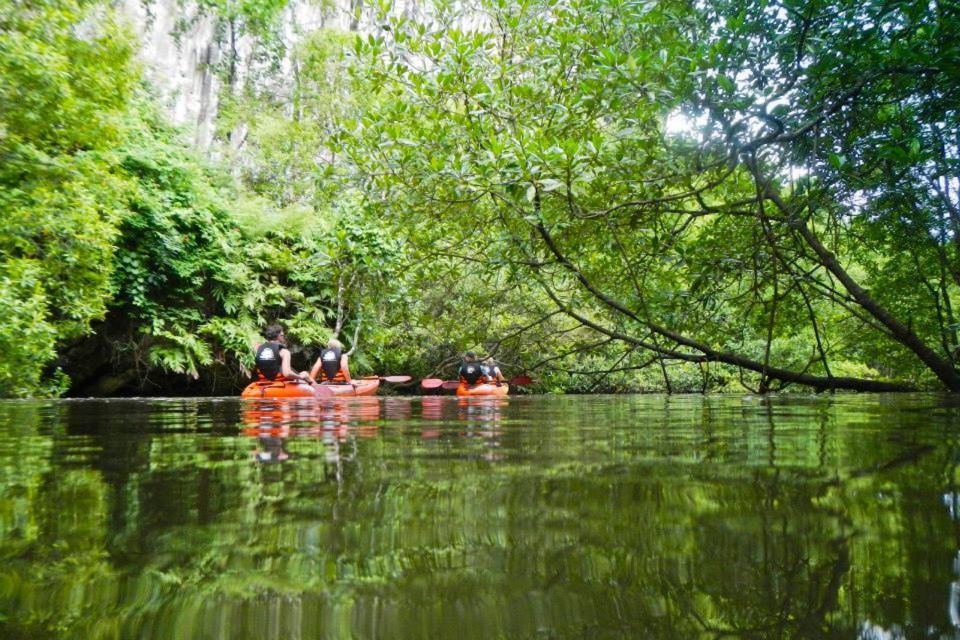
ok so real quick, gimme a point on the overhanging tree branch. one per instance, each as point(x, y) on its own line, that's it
point(708, 354)
point(900, 332)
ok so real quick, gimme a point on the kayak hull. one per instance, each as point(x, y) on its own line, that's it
point(362, 387)
point(278, 389)
point(482, 390)
point(293, 389)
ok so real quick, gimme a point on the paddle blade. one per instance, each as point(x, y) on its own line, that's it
point(431, 383)
point(396, 379)
point(450, 384)
point(521, 380)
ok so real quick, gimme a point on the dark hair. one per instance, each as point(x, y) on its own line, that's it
point(272, 332)
point(469, 355)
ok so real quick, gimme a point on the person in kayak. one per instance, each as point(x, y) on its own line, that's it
point(493, 371)
point(471, 371)
point(332, 366)
point(272, 359)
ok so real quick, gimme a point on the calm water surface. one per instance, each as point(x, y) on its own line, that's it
point(531, 517)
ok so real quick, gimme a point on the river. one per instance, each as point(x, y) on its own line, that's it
point(792, 516)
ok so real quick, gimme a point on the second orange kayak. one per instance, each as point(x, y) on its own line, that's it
point(482, 390)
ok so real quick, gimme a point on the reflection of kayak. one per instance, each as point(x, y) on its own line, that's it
point(362, 387)
point(294, 389)
point(291, 417)
point(482, 390)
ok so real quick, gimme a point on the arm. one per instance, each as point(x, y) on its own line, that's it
point(345, 367)
point(288, 372)
point(315, 370)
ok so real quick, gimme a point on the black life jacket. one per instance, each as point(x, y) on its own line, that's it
point(471, 372)
point(330, 366)
point(268, 361)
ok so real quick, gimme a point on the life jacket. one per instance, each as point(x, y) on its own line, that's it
point(491, 371)
point(472, 373)
point(268, 362)
point(330, 370)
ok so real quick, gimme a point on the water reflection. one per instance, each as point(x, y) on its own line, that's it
point(443, 517)
point(306, 417)
point(274, 421)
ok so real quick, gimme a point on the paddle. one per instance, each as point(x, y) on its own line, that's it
point(437, 383)
point(321, 391)
point(394, 379)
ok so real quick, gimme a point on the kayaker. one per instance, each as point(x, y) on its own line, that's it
point(272, 359)
point(471, 371)
point(493, 371)
point(332, 366)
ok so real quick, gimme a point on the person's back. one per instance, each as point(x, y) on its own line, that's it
point(471, 372)
point(268, 360)
point(493, 371)
point(272, 359)
point(332, 365)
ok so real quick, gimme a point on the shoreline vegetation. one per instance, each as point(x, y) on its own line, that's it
point(613, 197)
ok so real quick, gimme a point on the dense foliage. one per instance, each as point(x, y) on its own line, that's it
point(66, 83)
point(125, 258)
point(800, 231)
point(617, 195)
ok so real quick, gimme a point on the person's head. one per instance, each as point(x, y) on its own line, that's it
point(333, 343)
point(490, 361)
point(470, 356)
point(273, 332)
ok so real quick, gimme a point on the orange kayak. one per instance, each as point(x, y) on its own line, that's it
point(294, 389)
point(482, 390)
point(278, 389)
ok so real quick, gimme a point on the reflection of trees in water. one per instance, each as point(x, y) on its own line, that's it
point(817, 552)
point(479, 410)
point(951, 500)
point(729, 529)
point(756, 566)
point(455, 417)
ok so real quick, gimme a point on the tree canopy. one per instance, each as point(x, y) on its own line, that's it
point(785, 233)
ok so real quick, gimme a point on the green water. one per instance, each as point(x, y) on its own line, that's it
point(533, 517)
